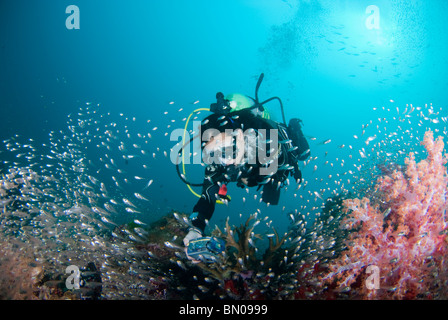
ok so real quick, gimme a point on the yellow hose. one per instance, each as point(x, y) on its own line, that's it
point(183, 152)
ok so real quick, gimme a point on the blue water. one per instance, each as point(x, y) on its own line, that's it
point(136, 57)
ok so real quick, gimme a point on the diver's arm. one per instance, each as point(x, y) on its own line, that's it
point(204, 208)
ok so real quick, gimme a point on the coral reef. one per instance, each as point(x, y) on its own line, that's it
point(19, 272)
point(238, 274)
point(395, 224)
point(241, 273)
point(317, 246)
point(402, 233)
point(288, 268)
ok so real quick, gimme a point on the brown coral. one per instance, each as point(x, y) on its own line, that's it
point(19, 273)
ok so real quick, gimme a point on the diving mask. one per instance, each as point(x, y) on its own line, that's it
point(225, 149)
point(224, 155)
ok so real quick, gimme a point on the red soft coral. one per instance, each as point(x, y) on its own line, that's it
point(408, 243)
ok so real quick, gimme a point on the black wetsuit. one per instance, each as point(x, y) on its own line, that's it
point(217, 174)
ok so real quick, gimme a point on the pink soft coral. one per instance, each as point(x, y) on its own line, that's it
point(407, 241)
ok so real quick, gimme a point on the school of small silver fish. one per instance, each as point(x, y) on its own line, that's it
point(64, 206)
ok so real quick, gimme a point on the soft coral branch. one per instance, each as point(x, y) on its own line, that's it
point(408, 244)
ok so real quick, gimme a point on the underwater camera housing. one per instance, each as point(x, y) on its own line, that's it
point(206, 249)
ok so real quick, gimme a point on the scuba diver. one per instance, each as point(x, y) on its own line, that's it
point(240, 143)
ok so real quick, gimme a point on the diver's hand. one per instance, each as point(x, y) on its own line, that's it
point(192, 234)
point(297, 173)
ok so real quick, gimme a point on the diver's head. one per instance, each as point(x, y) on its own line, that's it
point(225, 148)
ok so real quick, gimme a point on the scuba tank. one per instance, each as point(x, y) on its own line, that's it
point(302, 148)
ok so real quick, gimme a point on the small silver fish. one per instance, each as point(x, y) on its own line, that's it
point(130, 210)
point(148, 184)
point(139, 222)
point(180, 264)
point(317, 194)
point(104, 219)
point(129, 203)
point(369, 139)
point(171, 245)
point(139, 196)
